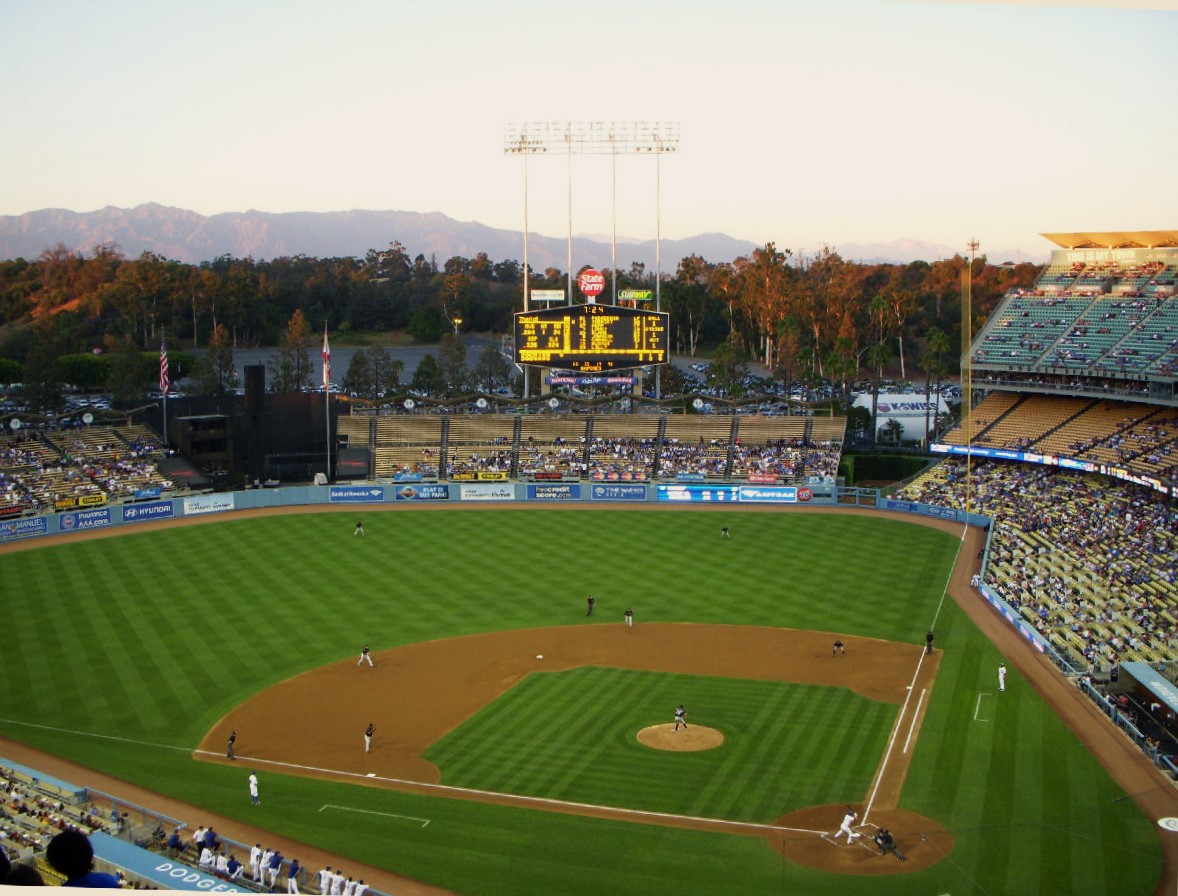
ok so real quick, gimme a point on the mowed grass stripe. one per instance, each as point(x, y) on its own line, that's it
point(569, 735)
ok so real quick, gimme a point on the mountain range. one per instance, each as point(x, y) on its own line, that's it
point(189, 237)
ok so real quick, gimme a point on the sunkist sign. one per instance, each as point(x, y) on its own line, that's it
point(591, 282)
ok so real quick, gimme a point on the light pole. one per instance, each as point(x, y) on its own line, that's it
point(457, 321)
point(967, 368)
point(611, 138)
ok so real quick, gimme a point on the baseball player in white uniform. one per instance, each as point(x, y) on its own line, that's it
point(845, 828)
point(1002, 676)
point(325, 877)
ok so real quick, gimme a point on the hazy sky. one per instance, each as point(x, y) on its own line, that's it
point(801, 123)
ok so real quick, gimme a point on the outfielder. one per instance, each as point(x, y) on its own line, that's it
point(1002, 676)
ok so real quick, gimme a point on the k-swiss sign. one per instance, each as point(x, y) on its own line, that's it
point(591, 282)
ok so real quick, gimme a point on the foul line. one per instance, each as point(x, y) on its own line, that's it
point(528, 801)
point(915, 716)
point(424, 821)
point(978, 706)
point(892, 740)
point(122, 740)
point(534, 802)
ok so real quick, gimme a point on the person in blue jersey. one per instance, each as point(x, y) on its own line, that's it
point(72, 856)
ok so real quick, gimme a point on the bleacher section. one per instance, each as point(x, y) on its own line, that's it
point(1094, 313)
point(603, 447)
point(86, 466)
point(1089, 562)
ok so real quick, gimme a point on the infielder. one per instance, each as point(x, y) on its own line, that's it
point(365, 657)
point(368, 737)
point(845, 828)
point(629, 618)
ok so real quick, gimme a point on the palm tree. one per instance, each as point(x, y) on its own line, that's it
point(936, 345)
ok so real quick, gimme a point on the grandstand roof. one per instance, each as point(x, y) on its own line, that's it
point(1122, 239)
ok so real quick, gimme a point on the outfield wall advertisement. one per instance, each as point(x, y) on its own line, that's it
point(555, 491)
point(81, 520)
point(433, 491)
point(488, 492)
point(618, 492)
point(734, 494)
point(155, 510)
point(208, 504)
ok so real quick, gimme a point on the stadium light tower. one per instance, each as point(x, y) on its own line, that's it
point(611, 138)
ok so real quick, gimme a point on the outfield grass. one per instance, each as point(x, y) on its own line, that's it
point(121, 653)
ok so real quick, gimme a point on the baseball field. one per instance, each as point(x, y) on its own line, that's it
point(523, 747)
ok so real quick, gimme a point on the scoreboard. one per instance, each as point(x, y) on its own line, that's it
point(592, 338)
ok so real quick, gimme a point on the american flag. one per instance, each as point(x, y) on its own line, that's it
point(326, 362)
point(165, 383)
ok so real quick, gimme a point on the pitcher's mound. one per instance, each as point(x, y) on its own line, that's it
point(685, 740)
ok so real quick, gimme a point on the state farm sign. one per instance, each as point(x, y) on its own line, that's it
point(591, 282)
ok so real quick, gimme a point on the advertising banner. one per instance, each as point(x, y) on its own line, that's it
point(423, 492)
point(487, 492)
point(613, 492)
point(23, 528)
point(208, 504)
point(566, 491)
point(761, 494)
point(719, 494)
point(80, 520)
point(355, 494)
point(92, 500)
point(156, 510)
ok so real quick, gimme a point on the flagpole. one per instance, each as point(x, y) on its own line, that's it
point(327, 400)
point(165, 380)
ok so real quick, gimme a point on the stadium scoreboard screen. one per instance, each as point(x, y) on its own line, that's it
point(591, 338)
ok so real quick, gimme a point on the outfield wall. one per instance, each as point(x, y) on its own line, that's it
point(360, 495)
point(503, 492)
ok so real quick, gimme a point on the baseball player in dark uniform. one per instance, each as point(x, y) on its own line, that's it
point(365, 657)
point(368, 737)
point(680, 717)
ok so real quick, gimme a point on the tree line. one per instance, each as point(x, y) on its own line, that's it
point(818, 318)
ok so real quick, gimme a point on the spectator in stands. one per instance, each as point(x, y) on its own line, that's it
point(23, 875)
point(72, 856)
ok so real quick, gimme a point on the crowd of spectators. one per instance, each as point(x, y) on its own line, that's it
point(1091, 561)
point(39, 830)
point(641, 459)
point(30, 818)
point(36, 473)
